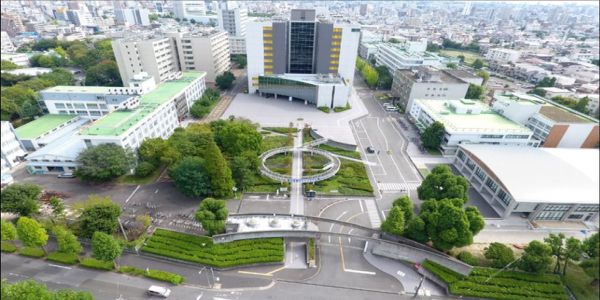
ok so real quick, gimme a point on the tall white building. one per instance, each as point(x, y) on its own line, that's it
point(234, 22)
point(189, 10)
point(203, 50)
point(503, 55)
point(156, 56)
point(12, 150)
point(7, 45)
point(131, 16)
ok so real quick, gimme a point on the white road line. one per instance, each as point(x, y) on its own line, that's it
point(372, 213)
point(200, 296)
point(414, 171)
point(371, 142)
point(132, 193)
point(343, 213)
point(391, 154)
point(359, 272)
point(361, 206)
point(58, 266)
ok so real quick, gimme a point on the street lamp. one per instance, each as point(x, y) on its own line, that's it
point(234, 189)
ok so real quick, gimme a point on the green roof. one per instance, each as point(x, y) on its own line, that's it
point(41, 125)
point(118, 122)
point(485, 122)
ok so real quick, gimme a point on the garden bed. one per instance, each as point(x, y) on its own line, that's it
point(8, 247)
point(97, 264)
point(63, 258)
point(32, 252)
point(338, 151)
point(351, 179)
point(201, 250)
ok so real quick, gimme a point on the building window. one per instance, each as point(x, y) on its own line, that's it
point(587, 208)
point(461, 155)
point(491, 184)
point(575, 216)
point(551, 215)
point(479, 173)
point(504, 197)
point(470, 164)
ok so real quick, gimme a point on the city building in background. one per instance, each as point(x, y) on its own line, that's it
point(234, 20)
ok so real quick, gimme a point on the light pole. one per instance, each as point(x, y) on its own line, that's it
point(234, 189)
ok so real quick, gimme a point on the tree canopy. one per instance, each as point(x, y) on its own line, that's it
point(190, 176)
point(212, 214)
point(546, 82)
point(536, 258)
point(394, 223)
point(432, 135)
point(499, 254)
point(30, 289)
point(447, 223)
point(101, 216)
point(20, 198)
point(225, 80)
point(31, 233)
point(441, 183)
point(475, 92)
point(104, 162)
point(105, 247)
point(9, 232)
point(105, 73)
point(66, 240)
point(477, 64)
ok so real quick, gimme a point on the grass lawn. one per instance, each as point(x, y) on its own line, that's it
point(424, 171)
point(306, 137)
point(282, 130)
point(263, 184)
point(504, 285)
point(134, 180)
point(352, 180)
point(271, 142)
point(313, 164)
point(338, 151)
point(470, 57)
point(280, 163)
point(580, 283)
point(201, 250)
point(436, 152)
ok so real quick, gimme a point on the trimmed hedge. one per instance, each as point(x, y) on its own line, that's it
point(165, 276)
point(504, 285)
point(467, 258)
point(32, 252)
point(200, 249)
point(8, 247)
point(97, 264)
point(65, 258)
point(130, 270)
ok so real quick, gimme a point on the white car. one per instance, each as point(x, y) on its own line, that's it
point(159, 291)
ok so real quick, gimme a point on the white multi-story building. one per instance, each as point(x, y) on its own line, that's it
point(190, 10)
point(131, 16)
point(398, 57)
point(503, 55)
point(153, 55)
point(7, 45)
point(19, 59)
point(234, 22)
point(203, 50)
point(11, 149)
point(469, 122)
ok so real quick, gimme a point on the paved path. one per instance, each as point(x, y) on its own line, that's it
point(297, 196)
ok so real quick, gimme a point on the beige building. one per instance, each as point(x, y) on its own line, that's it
point(153, 55)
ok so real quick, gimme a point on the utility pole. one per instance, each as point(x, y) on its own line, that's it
point(419, 287)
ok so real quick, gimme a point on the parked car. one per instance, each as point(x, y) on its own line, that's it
point(370, 149)
point(391, 108)
point(159, 291)
point(66, 175)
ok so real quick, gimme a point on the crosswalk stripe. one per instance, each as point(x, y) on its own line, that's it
point(372, 213)
point(408, 186)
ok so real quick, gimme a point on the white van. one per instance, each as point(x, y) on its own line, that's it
point(159, 291)
point(391, 108)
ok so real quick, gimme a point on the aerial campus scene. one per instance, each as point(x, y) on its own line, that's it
point(232, 150)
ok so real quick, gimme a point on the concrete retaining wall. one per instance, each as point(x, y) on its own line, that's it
point(230, 237)
point(332, 143)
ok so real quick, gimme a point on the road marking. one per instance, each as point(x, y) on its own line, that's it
point(374, 217)
point(383, 214)
point(399, 186)
point(343, 213)
point(389, 149)
point(344, 262)
point(361, 206)
point(156, 192)
point(270, 273)
point(200, 296)
point(371, 143)
point(360, 272)
point(58, 266)
point(400, 273)
point(132, 193)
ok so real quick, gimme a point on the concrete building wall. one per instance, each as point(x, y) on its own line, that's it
point(255, 53)
point(155, 57)
point(10, 147)
point(279, 47)
point(575, 135)
point(205, 53)
point(348, 52)
point(323, 48)
point(434, 90)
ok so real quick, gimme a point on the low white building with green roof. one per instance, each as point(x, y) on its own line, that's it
point(40, 131)
point(469, 122)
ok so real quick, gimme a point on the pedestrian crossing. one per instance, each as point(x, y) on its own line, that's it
point(373, 213)
point(404, 186)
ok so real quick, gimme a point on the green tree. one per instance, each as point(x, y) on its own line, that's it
point(104, 162)
point(406, 205)
point(152, 150)
point(212, 214)
point(431, 47)
point(240, 59)
point(546, 82)
point(394, 223)
point(432, 135)
point(20, 198)
point(66, 240)
point(360, 64)
point(236, 137)
point(538, 91)
point(394, 41)
point(200, 109)
point(461, 58)
point(25, 290)
point(441, 183)
point(476, 222)
point(105, 247)
point(591, 245)
point(556, 243)
point(591, 268)
point(100, 216)
point(31, 233)
point(582, 105)
point(384, 77)
point(477, 64)
point(572, 252)
point(452, 66)
point(536, 258)
point(105, 73)
point(9, 232)
point(370, 75)
point(485, 75)
point(446, 223)
point(6, 65)
point(499, 254)
point(475, 92)
point(190, 176)
point(416, 231)
point(153, 17)
point(219, 172)
point(58, 207)
point(242, 171)
point(144, 169)
point(225, 80)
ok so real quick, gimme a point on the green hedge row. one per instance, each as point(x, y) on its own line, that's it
point(8, 247)
point(546, 278)
point(202, 250)
point(97, 264)
point(32, 252)
point(506, 282)
point(490, 290)
point(65, 258)
point(130, 270)
point(165, 276)
point(445, 274)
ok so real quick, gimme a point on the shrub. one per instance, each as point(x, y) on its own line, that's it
point(131, 270)
point(144, 169)
point(324, 109)
point(467, 258)
point(65, 258)
point(8, 247)
point(97, 264)
point(445, 274)
point(32, 252)
point(165, 276)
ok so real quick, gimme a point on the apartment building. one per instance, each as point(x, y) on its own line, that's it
point(541, 183)
point(19, 59)
point(204, 50)
point(7, 45)
point(302, 59)
point(407, 56)
point(426, 83)
point(503, 55)
point(156, 56)
point(11, 149)
point(190, 10)
point(11, 23)
point(554, 125)
point(131, 16)
point(234, 22)
point(469, 122)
